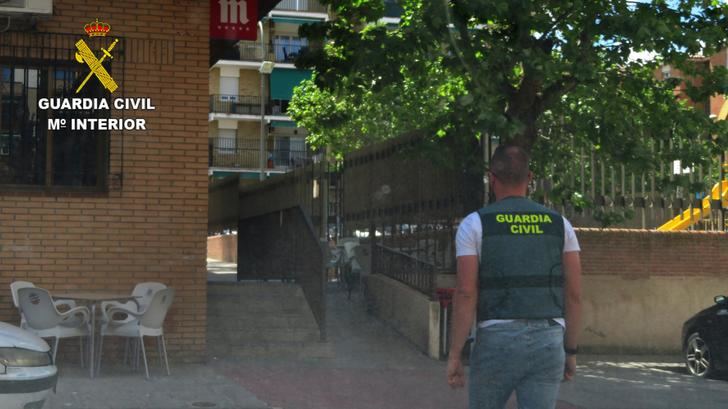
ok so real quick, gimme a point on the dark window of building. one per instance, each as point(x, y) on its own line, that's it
point(31, 155)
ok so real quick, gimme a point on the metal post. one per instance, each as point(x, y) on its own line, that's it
point(720, 190)
point(325, 186)
point(262, 105)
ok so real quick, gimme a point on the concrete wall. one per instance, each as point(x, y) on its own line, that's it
point(153, 227)
point(223, 248)
point(410, 312)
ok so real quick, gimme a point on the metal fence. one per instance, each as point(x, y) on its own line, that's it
point(409, 205)
point(405, 268)
point(619, 195)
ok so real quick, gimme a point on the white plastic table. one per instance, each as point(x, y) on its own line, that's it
point(92, 299)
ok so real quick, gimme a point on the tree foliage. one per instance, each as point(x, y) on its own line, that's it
point(550, 75)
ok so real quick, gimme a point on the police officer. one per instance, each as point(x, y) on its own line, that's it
point(519, 279)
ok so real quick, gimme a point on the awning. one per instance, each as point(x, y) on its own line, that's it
point(283, 124)
point(282, 82)
point(295, 20)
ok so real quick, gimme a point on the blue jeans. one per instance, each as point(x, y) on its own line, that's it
point(526, 356)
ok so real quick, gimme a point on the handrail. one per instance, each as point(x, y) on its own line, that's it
point(404, 268)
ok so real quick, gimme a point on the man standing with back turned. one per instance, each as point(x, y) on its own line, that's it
point(519, 269)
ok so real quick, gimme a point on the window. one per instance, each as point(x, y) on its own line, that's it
point(226, 140)
point(229, 87)
point(30, 154)
point(287, 47)
point(36, 65)
point(289, 151)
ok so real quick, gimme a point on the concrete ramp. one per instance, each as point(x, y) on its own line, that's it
point(261, 320)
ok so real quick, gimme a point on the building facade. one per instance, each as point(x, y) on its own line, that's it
point(248, 106)
point(711, 105)
point(106, 209)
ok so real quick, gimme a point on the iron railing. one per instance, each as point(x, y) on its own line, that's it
point(404, 268)
point(312, 6)
point(224, 154)
point(277, 50)
point(246, 105)
point(235, 104)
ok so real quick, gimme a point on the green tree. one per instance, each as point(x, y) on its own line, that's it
point(550, 75)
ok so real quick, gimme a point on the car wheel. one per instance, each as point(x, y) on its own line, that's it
point(698, 359)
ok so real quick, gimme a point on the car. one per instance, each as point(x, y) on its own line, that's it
point(705, 340)
point(27, 372)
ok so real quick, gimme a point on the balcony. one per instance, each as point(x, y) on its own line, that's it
point(224, 154)
point(234, 104)
point(251, 50)
point(280, 51)
point(310, 6)
point(246, 105)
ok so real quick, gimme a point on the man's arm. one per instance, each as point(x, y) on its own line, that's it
point(465, 301)
point(572, 297)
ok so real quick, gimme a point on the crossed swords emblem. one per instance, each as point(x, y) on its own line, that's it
point(85, 55)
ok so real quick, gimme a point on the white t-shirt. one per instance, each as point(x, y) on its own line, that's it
point(469, 239)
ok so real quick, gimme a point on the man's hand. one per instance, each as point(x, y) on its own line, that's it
point(455, 373)
point(569, 367)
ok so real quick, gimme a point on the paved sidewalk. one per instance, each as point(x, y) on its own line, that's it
point(372, 368)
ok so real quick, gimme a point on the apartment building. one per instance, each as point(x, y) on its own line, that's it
point(711, 106)
point(251, 85)
point(250, 131)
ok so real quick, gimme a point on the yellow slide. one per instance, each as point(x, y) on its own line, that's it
point(685, 219)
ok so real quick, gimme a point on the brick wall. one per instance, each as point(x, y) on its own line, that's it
point(637, 253)
point(153, 227)
point(223, 248)
point(640, 286)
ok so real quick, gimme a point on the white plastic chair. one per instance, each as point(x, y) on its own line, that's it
point(147, 323)
point(144, 292)
point(43, 318)
point(16, 285)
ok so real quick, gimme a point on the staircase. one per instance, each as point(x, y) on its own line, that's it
point(261, 320)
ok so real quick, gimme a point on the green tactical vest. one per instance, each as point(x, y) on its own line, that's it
point(520, 273)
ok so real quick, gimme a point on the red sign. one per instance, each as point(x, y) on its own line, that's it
point(234, 19)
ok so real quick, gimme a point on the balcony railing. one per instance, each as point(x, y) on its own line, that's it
point(235, 104)
point(278, 51)
point(311, 6)
point(224, 154)
point(250, 50)
point(246, 105)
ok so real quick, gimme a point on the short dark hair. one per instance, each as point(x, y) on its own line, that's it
point(510, 164)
